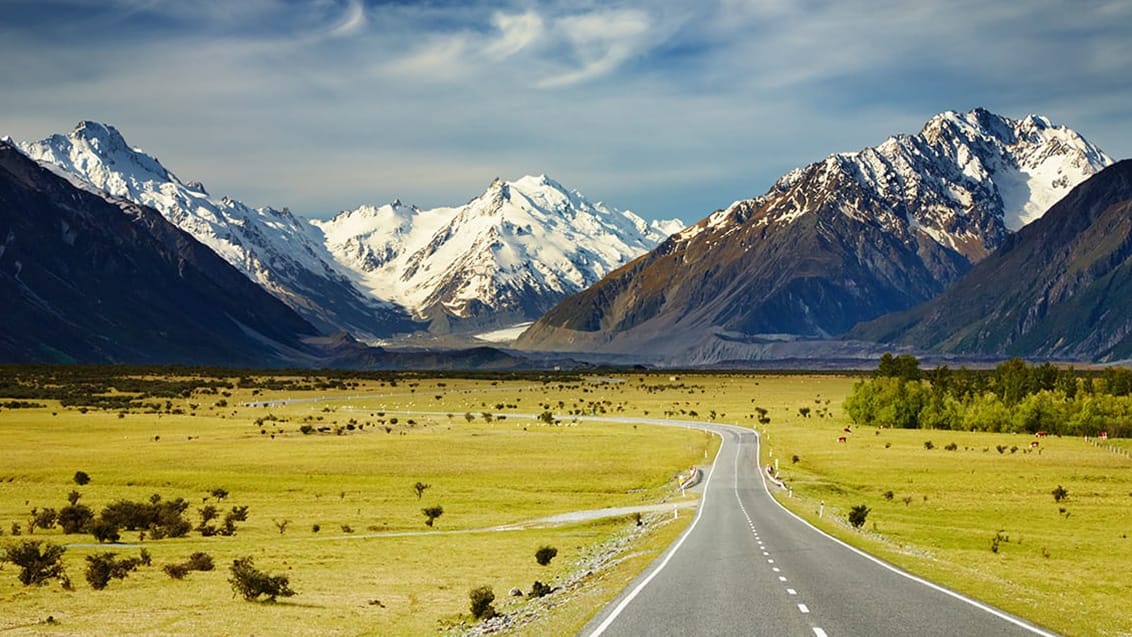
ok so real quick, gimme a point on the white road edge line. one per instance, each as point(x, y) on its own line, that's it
point(915, 578)
point(603, 626)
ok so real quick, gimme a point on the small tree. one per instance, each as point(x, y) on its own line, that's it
point(857, 515)
point(420, 487)
point(38, 562)
point(81, 478)
point(252, 583)
point(1060, 493)
point(545, 554)
point(431, 513)
point(481, 599)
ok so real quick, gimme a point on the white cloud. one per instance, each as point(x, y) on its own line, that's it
point(600, 41)
point(517, 32)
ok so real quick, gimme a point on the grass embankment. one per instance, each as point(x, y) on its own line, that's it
point(372, 566)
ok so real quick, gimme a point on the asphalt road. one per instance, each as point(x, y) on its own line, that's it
point(746, 566)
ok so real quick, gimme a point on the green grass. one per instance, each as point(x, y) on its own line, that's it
point(380, 578)
point(513, 469)
point(1064, 565)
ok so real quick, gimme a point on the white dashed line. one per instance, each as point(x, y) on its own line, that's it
point(803, 609)
point(781, 578)
point(791, 591)
point(819, 632)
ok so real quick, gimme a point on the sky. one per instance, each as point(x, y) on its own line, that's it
point(672, 109)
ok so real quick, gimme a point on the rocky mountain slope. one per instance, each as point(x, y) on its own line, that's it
point(847, 239)
point(280, 252)
point(506, 256)
point(88, 279)
point(1061, 287)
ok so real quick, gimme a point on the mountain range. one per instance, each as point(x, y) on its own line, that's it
point(108, 256)
point(504, 257)
point(844, 240)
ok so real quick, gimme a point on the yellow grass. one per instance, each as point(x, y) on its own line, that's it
point(389, 574)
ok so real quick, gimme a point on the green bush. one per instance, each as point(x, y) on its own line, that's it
point(857, 515)
point(81, 478)
point(251, 583)
point(431, 513)
point(76, 518)
point(38, 562)
point(538, 589)
point(481, 599)
point(102, 567)
point(545, 554)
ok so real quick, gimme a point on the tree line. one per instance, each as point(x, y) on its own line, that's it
point(1013, 397)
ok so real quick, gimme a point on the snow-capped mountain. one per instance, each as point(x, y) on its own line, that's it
point(506, 256)
point(842, 240)
point(283, 254)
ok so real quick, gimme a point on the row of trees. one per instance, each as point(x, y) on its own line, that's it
point(1014, 397)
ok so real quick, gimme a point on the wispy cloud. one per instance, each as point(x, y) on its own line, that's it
point(667, 107)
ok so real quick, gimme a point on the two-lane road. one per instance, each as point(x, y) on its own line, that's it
point(746, 566)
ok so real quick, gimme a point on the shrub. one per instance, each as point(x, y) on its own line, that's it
point(102, 567)
point(929, 445)
point(252, 583)
point(545, 554)
point(104, 531)
point(951, 446)
point(75, 518)
point(1060, 493)
point(198, 561)
point(81, 478)
point(481, 599)
point(38, 562)
point(420, 487)
point(998, 537)
point(431, 513)
point(857, 515)
point(44, 519)
point(159, 518)
point(538, 589)
point(888, 495)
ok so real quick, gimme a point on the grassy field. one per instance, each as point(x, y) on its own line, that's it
point(372, 567)
point(974, 512)
point(1065, 565)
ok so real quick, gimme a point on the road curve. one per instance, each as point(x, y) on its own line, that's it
point(747, 566)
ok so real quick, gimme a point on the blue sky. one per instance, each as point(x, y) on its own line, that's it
point(671, 109)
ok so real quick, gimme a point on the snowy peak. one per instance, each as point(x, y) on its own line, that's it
point(98, 153)
point(271, 247)
point(514, 250)
point(965, 181)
